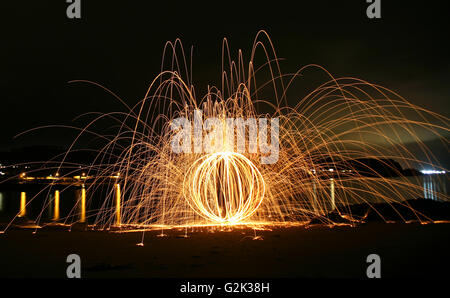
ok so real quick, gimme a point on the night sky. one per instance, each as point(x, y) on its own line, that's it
point(119, 44)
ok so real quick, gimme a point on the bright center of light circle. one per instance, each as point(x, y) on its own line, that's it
point(224, 187)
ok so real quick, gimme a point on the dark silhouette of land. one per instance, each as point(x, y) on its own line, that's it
point(45, 158)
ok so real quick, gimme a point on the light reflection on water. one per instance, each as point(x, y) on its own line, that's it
point(1, 202)
point(73, 202)
point(433, 186)
point(58, 205)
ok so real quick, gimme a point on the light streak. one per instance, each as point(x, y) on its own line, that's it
point(118, 205)
point(83, 204)
point(23, 204)
point(56, 206)
point(432, 172)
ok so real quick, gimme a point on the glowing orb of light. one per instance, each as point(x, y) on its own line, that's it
point(224, 187)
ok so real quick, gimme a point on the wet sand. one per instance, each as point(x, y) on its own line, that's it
point(406, 250)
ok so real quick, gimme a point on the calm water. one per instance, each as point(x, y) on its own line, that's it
point(77, 203)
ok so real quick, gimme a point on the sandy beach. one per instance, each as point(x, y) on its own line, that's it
point(406, 250)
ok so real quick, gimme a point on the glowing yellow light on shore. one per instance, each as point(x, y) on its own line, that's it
point(118, 219)
point(23, 203)
point(56, 206)
point(83, 205)
point(333, 201)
